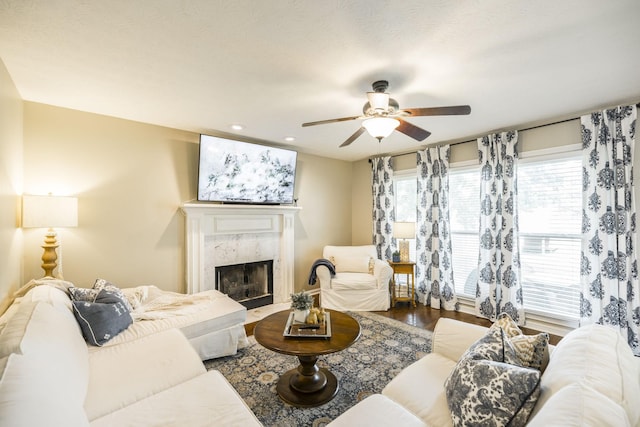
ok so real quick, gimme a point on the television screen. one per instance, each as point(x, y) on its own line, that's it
point(241, 172)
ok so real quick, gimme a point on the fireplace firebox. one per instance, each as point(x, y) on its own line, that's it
point(251, 284)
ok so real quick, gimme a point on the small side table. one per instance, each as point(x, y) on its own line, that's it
point(399, 292)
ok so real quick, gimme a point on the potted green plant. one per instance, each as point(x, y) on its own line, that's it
point(301, 303)
point(395, 256)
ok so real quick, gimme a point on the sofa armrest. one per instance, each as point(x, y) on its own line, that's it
point(383, 272)
point(451, 338)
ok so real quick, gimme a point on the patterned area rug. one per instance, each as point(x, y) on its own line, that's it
point(385, 347)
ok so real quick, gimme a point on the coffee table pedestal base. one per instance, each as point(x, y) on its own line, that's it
point(322, 395)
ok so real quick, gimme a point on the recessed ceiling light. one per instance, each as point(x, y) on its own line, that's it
point(237, 126)
point(289, 138)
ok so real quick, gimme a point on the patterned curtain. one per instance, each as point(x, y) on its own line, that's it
point(609, 272)
point(499, 288)
point(383, 205)
point(434, 273)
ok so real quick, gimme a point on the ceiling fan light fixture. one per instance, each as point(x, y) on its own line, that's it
point(378, 101)
point(380, 127)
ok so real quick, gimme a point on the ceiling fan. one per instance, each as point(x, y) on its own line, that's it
point(382, 115)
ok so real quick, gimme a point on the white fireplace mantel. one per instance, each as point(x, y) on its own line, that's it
point(218, 234)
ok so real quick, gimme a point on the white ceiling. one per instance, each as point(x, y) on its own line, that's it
point(272, 65)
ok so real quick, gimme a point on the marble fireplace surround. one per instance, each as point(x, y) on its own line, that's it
point(218, 235)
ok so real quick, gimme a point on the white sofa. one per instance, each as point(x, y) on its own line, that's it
point(361, 280)
point(48, 376)
point(592, 379)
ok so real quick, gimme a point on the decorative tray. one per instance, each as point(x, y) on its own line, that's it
point(303, 330)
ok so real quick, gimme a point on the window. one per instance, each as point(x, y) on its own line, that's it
point(549, 206)
point(406, 201)
point(464, 209)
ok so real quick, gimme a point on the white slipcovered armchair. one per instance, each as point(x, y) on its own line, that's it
point(361, 282)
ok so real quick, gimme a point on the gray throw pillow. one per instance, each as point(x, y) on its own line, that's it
point(101, 321)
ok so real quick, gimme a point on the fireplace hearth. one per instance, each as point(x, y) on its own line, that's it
point(251, 284)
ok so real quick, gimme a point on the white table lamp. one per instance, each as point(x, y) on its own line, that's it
point(49, 212)
point(404, 231)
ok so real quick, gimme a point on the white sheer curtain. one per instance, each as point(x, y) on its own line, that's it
point(499, 288)
point(434, 271)
point(383, 205)
point(609, 267)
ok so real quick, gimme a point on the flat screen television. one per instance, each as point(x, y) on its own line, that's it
point(233, 171)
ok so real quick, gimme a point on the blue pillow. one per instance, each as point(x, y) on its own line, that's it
point(101, 320)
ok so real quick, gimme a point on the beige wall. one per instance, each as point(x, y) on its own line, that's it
point(323, 189)
point(130, 179)
point(10, 186)
point(541, 138)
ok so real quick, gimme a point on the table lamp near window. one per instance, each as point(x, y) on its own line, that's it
point(404, 231)
point(49, 212)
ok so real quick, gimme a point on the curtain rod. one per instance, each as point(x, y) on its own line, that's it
point(519, 130)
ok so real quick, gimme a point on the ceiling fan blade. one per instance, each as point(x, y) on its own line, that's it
point(353, 137)
point(413, 131)
point(456, 110)
point(322, 122)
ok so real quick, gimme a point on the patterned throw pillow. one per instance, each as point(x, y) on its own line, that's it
point(533, 350)
point(83, 294)
point(101, 284)
point(486, 388)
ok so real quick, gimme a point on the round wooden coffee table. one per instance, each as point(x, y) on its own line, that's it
point(307, 385)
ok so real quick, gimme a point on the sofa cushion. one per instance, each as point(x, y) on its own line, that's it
point(532, 350)
point(102, 320)
point(427, 375)
point(598, 357)
point(205, 400)
point(30, 396)
point(377, 410)
point(123, 374)
point(487, 386)
point(353, 281)
point(578, 405)
point(452, 338)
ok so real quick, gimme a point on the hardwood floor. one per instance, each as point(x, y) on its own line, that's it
point(426, 317)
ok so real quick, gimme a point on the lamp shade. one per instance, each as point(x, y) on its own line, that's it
point(380, 127)
point(49, 211)
point(404, 230)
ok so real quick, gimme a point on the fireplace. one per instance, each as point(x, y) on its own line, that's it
point(251, 283)
point(219, 235)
